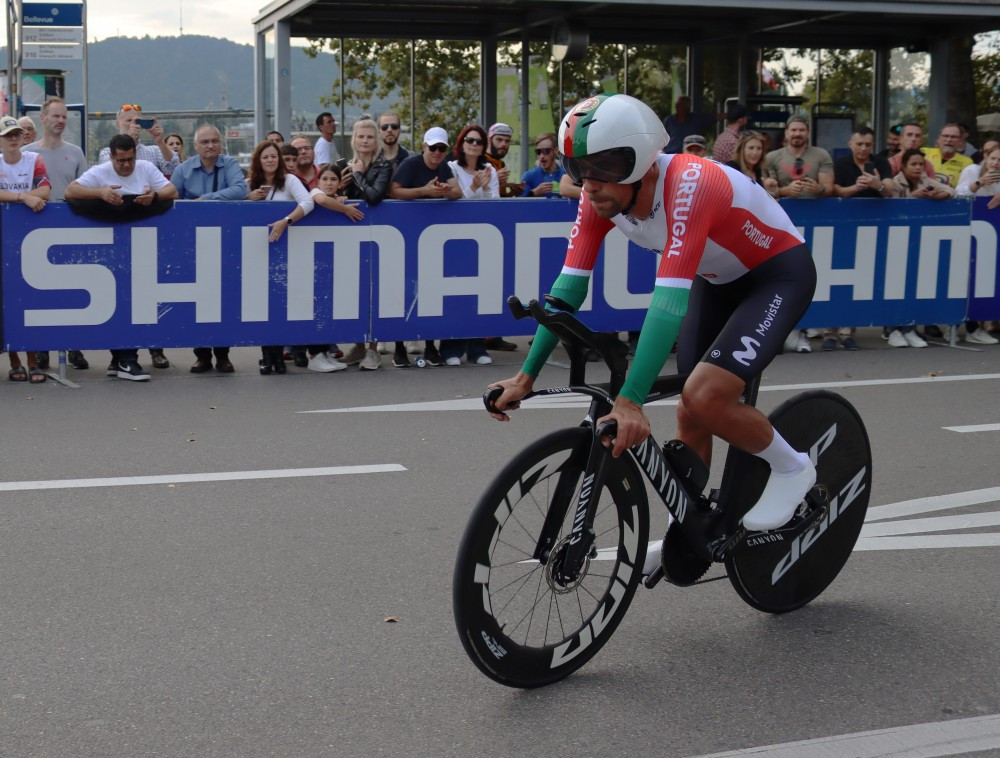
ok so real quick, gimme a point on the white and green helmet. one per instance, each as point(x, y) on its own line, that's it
point(610, 138)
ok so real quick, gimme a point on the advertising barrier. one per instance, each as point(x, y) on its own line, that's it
point(205, 274)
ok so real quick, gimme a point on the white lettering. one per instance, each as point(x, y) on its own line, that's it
point(148, 292)
point(960, 258)
point(861, 278)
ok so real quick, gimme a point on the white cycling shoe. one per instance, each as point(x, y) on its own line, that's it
point(780, 499)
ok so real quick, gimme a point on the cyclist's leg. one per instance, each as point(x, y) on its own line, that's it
point(776, 295)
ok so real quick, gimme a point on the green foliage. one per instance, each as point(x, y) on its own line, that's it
point(986, 76)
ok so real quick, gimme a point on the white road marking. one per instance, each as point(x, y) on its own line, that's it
point(925, 740)
point(933, 504)
point(973, 428)
point(579, 401)
point(219, 476)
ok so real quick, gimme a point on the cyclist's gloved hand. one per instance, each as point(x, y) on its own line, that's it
point(514, 389)
point(633, 426)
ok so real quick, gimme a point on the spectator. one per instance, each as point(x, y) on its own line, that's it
point(327, 195)
point(478, 180)
point(694, 144)
point(800, 169)
point(290, 157)
point(543, 179)
point(121, 180)
point(305, 167)
point(749, 158)
point(326, 151)
point(209, 175)
point(277, 138)
point(63, 163)
point(269, 181)
point(161, 156)
point(176, 143)
point(496, 150)
point(683, 123)
point(947, 162)
point(725, 144)
point(389, 124)
point(29, 134)
point(963, 146)
point(859, 174)
point(891, 142)
point(366, 176)
point(913, 181)
point(981, 180)
point(426, 176)
point(22, 180)
point(911, 138)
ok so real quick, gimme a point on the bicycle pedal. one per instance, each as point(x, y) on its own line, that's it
point(653, 579)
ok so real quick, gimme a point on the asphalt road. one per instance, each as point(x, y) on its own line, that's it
point(311, 615)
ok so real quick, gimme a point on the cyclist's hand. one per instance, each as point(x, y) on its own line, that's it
point(633, 426)
point(513, 390)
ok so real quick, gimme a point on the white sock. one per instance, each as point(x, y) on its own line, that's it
point(782, 457)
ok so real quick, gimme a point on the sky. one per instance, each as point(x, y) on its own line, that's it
point(225, 18)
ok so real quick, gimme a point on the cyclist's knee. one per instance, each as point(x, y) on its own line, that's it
point(702, 403)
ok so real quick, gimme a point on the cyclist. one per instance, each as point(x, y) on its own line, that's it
point(729, 254)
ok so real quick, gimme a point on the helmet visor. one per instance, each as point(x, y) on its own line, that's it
point(614, 165)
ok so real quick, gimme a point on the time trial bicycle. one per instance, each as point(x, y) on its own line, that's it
point(558, 543)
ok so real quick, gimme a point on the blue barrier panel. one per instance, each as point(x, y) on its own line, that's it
point(983, 302)
point(204, 273)
point(886, 262)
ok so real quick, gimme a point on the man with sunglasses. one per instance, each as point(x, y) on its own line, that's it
point(801, 170)
point(392, 151)
point(543, 179)
point(728, 254)
point(426, 175)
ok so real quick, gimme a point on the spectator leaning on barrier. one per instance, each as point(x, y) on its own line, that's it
point(64, 162)
point(858, 175)
point(210, 175)
point(305, 167)
point(389, 125)
point(947, 162)
point(427, 176)
point(725, 144)
point(123, 180)
point(543, 179)
point(22, 180)
point(326, 151)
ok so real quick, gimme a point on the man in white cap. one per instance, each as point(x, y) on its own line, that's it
point(426, 175)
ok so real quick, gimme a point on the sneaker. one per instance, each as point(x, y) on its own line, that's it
point(371, 362)
point(321, 364)
point(355, 355)
point(453, 361)
point(432, 356)
point(896, 339)
point(981, 337)
point(802, 344)
point(131, 370)
point(780, 498)
point(792, 341)
point(399, 359)
point(814, 333)
point(850, 343)
point(332, 360)
point(76, 360)
point(112, 369)
point(829, 344)
point(483, 360)
point(913, 339)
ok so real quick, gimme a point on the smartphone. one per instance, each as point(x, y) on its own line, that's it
point(869, 168)
point(265, 187)
point(145, 123)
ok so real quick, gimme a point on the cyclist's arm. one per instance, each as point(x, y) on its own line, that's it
point(573, 282)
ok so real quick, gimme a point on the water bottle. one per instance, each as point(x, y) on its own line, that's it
point(419, 361)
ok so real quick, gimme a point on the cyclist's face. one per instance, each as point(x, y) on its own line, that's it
point(607, 198)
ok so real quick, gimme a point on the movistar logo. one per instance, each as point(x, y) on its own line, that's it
point(749, 353)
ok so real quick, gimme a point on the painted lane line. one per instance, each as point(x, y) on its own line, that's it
point(924, 740)
point(579, 401)
point(939, 524)
point(219, 476)
point(928, 542)
point(932, 504)
point(973, 428)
